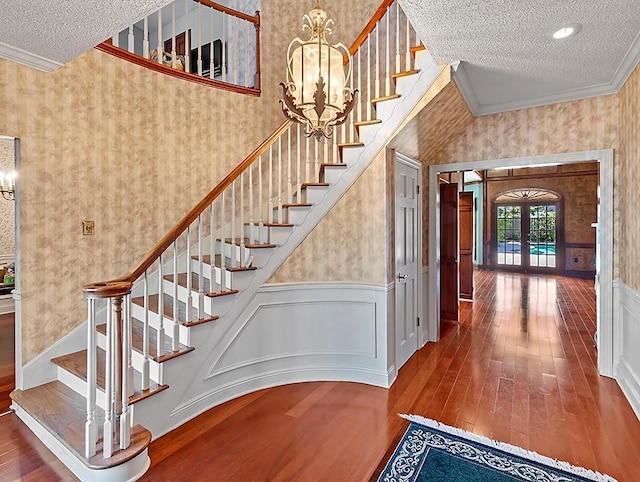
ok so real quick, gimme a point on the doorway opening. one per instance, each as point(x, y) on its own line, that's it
point(601, 261)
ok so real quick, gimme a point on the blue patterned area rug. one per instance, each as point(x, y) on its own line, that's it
point(434, 452)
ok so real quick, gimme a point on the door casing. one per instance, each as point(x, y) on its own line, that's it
point(604, 287)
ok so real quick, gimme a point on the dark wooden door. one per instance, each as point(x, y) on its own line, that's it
point(181, 43)
point(465, 210)
point(449, 252)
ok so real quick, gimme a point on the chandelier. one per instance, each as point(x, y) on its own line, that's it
point(8, 185)
point(316, 92)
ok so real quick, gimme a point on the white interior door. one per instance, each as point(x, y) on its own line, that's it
point(407, 259)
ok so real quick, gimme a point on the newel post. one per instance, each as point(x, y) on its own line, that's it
point(117, 375)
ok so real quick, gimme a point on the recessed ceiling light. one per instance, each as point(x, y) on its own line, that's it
point(566, 31)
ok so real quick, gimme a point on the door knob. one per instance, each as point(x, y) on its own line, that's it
point(403, 276)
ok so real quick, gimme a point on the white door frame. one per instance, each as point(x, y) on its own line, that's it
point(605, 239)
point(423, 329)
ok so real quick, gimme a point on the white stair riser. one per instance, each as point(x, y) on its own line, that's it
point(155, 372)
point(218, 274)
point(315, 194)
point(333, 174)
point(211, 305)
point(154, 322)
point(270, 234)
point(297, 215)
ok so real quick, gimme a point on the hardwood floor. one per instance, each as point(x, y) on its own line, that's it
point(7, 359)
point(518, 367)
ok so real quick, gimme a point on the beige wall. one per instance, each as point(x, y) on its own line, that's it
point(349, 244)
point(131, 149)
point(628, 182)
point(7, 208)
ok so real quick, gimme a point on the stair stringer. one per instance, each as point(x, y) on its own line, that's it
point(193, 380)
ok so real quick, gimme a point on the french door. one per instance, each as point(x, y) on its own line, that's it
point(527, 236)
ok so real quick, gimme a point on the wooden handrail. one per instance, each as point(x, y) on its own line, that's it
point(382, 9)
point(106, 289)
point(254, 19)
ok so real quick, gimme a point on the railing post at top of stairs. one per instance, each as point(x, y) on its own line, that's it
point(117, 372)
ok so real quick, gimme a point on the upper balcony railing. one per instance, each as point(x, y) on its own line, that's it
point(198, 40)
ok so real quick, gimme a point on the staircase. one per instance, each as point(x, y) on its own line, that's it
point(155, 337)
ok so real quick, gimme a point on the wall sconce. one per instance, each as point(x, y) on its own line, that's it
point(8, 185)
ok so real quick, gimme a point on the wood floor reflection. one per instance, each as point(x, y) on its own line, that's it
point(519, 367)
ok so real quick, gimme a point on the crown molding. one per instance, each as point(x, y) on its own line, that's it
point(29, 59)
point(622, 73)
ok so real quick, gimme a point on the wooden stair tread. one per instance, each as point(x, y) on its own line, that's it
point(76, 364)
point(247, 244)
point(417, 48)
point(63, 413)
point(315, 184)
point(370, 122)
point(297, 205)
point(350, 144)
point(206, 259)
point(273, 225)
point(168, 313)
point(137, 340)
point(406, 73)
point(385, 98)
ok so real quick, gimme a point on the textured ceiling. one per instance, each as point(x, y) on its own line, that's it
point(508, 58)
point(60, 31)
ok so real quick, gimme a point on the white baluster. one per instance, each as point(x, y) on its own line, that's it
point(377, 65)
point(387, 79)
point(242, 238)
point(289, 181)
point(176, 329)
point(145, 334)
point(200, 267)
point(307, 166)
point(224, 48)
point(408, 54)
point(145, 40)
point(316, 159)
point(246, 54)
point(270, 189)
point(115, 40)
point(325, 157)
point(107, 431)
point(252, 225)
point(189, 303)
point(126, 388)
point(187, 40)
point(199, 41)
point(211, 49)
point(174, 54)
point(369, 95)
point(299, 158)
point(260, 200)
point(334, 155)
point(398, 37)
point(360, 92)
point(91, 425)
point(212, 249)
point(223, 241)
point(280, 179)
point(160, 48)
point(161, 333)
point(234, 257)
point(236, 50)
point(131, 40)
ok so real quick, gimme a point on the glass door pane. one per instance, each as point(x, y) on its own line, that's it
point(509, 235)
point(542, 235)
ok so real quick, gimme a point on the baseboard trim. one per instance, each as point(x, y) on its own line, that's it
point(629, 384)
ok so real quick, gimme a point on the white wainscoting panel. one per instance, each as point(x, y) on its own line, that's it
point(626, 342)
point(288, 333)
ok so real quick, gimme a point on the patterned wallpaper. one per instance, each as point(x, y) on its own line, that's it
point(628, 180)
point(131, 149)
point(350, 242)
point(7, 208)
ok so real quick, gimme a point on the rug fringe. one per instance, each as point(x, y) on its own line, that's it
point(512, 449)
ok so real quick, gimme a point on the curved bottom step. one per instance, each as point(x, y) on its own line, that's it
point(55, 414)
